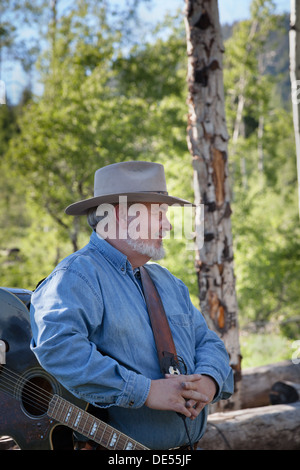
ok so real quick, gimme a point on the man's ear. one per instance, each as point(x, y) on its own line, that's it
point(121, 213)
point(106, 226)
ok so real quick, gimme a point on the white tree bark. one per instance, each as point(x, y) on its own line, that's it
point(207, 141)
point(257, 382)
point(294, 37)
point(266, 428)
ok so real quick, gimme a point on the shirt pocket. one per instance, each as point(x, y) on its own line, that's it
point(181, 319)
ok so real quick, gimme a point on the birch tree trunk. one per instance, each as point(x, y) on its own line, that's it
point(207, 138)
point(294, 37)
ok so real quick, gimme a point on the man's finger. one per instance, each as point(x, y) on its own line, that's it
point(182, 409)
point(185, 378)
point(193, 395)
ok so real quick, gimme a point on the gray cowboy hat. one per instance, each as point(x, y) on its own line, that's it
point(138, 181)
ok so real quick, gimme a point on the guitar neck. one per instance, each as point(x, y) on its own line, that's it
point(89, 426)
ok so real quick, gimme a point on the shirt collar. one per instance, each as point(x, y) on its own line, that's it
point(114, 256)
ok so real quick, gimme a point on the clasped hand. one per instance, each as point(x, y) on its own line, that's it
point(185, 394)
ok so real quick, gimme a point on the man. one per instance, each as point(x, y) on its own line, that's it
point(91, 327)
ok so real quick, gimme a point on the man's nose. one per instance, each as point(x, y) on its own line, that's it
point(165, 223)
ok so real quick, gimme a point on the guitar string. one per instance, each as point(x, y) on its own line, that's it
point(43, 402)
point(20, 381)
point(35, 407)
point(89, 419)
point(13, 376)
point(15, 383)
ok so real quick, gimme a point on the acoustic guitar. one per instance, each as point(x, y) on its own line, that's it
point(33, 403)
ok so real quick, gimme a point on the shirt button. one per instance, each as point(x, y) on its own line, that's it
point(131, 403)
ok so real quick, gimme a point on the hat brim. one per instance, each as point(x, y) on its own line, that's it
point(82, 207)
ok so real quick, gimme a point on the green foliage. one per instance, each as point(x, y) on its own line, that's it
point(104, 103)
point(261, 349)
point(92, 113)
point(245, 64)
point(264, 182)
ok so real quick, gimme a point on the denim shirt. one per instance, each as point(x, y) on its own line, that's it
point(91, 330)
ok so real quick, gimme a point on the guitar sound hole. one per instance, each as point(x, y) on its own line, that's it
point(36, 395)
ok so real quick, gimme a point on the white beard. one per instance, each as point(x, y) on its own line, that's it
point(145, 249)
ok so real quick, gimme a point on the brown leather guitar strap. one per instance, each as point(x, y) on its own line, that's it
point(166, 351)
point(165, 346)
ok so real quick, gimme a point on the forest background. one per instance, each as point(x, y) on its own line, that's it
point(111, 93)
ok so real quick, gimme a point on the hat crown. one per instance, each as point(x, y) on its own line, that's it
point(130, 177)
point(140, 181)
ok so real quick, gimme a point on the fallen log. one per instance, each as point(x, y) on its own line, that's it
point(264, 428)
point(284, 392)
point(258, 381)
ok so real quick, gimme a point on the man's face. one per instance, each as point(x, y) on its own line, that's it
point(147, 224)
point(142, 225)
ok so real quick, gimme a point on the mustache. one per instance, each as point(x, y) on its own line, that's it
point(145, 249)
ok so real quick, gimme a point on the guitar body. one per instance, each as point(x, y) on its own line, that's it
point(25, 388)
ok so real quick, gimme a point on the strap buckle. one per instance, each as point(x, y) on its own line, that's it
point(171, 364)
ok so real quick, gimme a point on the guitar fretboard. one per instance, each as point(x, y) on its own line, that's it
point(89, 426)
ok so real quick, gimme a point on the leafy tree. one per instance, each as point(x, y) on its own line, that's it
point(263, 176)
point(95, 110)
point(102, 103)
point(15, 46)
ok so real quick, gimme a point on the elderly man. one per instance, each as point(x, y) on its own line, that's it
point(90, 321)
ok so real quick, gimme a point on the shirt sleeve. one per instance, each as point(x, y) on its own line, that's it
point(209, 353)
point(65, 311)
point(211, 357)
